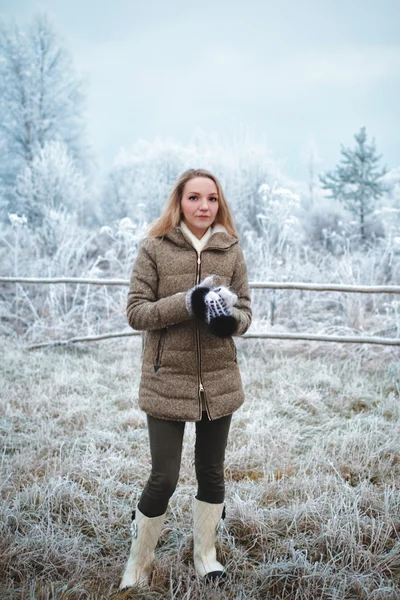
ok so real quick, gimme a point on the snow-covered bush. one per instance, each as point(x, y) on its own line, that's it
point(38, 311)
point(278, 218)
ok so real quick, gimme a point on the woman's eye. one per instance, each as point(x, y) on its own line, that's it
point(195, 198)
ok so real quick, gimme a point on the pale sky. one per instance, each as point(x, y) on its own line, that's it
point(289, 70)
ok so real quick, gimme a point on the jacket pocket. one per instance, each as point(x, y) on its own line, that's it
point(234, 349)
point(160, 349)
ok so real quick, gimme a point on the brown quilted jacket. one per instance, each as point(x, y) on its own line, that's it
point(181, 357)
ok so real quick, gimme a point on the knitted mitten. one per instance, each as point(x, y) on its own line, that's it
point(195, 304)
point(218, 314)
point(228, 297)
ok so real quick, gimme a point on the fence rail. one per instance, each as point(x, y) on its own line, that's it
point(287, 285)
point(274, 285)
point(273, 336)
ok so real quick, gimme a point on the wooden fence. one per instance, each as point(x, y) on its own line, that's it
point(290, 285)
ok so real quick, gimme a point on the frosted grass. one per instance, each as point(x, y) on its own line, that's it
point(312, 468)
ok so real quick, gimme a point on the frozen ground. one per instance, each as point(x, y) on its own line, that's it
point(312, 468)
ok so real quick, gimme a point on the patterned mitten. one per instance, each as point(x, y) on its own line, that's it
point(195, 304)
point(229, 297)
point(219, 302)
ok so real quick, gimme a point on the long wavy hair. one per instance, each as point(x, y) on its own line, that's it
point(171, 214)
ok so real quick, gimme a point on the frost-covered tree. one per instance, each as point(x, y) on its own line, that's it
point(41, 97)
point(356, 181)
point(141, 179)
point(310, 157)
point(52, 183)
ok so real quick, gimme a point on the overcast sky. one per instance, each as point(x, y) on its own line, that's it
point(289, 70)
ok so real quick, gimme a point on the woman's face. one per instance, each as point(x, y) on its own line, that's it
point(199, 204)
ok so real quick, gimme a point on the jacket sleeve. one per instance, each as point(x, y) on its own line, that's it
point(240, 285)
point(144, 310)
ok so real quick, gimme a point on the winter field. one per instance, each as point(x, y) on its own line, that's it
point(313, 464)
point(313, 501)
point(312, 470)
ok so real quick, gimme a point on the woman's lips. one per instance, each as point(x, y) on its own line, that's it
point(203, 217)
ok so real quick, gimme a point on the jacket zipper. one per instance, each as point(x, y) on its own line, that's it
point(201, 388)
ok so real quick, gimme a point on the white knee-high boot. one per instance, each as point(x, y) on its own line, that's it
point(206, 519)
point(145, 534)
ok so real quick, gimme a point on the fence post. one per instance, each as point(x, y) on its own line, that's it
point(273, 306)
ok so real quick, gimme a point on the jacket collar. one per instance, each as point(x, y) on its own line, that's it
point(219, 239)
point(196, 243)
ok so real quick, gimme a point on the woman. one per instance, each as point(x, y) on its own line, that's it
point(179, 294)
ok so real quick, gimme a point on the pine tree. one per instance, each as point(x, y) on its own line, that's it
point(356, 180)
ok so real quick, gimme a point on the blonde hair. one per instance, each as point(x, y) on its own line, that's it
point(171, 213)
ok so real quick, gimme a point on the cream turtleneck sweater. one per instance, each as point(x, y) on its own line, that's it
point(196, 243)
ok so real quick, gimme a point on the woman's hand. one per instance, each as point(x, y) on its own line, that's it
point(218, 303)
point(195, 298)
point(213, 305)
point(230, 298)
